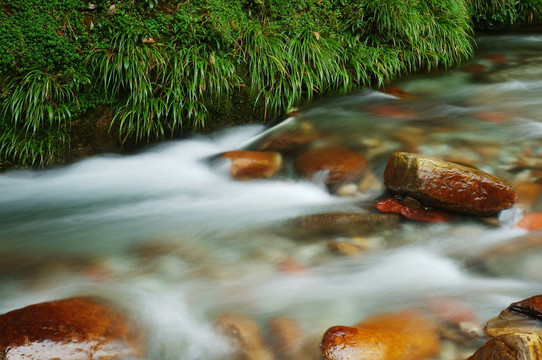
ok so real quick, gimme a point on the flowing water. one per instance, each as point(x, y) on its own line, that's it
point(169, 235)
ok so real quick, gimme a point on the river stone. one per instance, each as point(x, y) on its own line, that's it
point(447, 185)
point(510, 347)
point(245, 334)
point(74, 328)
point(286, 338)
point(401, 336)
point(247, 165)
point(524, 316)
point(338, 164)
point(517, 258)
point(341, 223)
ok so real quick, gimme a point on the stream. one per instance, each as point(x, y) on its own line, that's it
point(172, 237)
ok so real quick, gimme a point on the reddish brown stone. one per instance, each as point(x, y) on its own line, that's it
point(450, 186)
point(341, 163)
point(398, 92)
point(531, 307)
point(74, 328)
point(395, 207)
point(253, 164)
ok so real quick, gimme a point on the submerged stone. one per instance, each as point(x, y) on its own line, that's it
point(524, 316)
point(447, 185)
point(336, 164)
point(393, 206)
point(341, 223)
point(73, 328)
point(247, 165)
point(245, 334)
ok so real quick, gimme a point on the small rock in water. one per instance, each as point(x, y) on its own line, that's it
point(245, 335)
point(407, 335)
point(344, 247)
point(341, 164)
point(450, 186)
point(531, 221)
point(247, 165)
point(347, 190)
point(286, 338)
point(510, 347)
point(288, 141)
point(341, 223)
point(69, 329)
point(528, 194)
point(393, 206)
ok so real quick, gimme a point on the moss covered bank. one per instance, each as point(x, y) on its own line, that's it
point(80, 77)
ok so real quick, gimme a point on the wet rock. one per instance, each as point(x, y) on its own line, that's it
point(401, 336)
point(247, 165)
point(417, 213)
point(531, 221)
point(510, 347)
point(349, 189)
point(369, 182)
point(286, 338)
point(520, 317)
point(340, 223)
point(73, 328)
point(338, 164)
point(245, 335)
point(447, 185)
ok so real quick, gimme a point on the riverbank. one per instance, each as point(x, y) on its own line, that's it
point(82, 78)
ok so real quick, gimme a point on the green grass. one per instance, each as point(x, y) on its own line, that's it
point(164, 67)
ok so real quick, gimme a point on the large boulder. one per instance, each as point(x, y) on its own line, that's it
point(406, 335)
point(74, 328)
point(339, 164)
point(447, 185)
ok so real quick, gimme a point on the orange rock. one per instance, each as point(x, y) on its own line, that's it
point(531, 221)
point(288, 141)
point(398, 92)
point(452, 311)
point(253, 164)
point(341, 163)
point(407, 335)
point(73, 328)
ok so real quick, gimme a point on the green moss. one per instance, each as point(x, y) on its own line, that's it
point(167, 67)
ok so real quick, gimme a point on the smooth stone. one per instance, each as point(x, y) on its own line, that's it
point(337, 164)
point(447, 185)
point(394, 206)
point(286, 338)
point(510, 347)
point(245, 334)
point(406, 335)
point(74, 328)
point(341, 223)
point(527, 194)
point(531, 307)
point(246, 165)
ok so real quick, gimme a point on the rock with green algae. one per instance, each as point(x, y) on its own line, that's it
point(447, 185)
